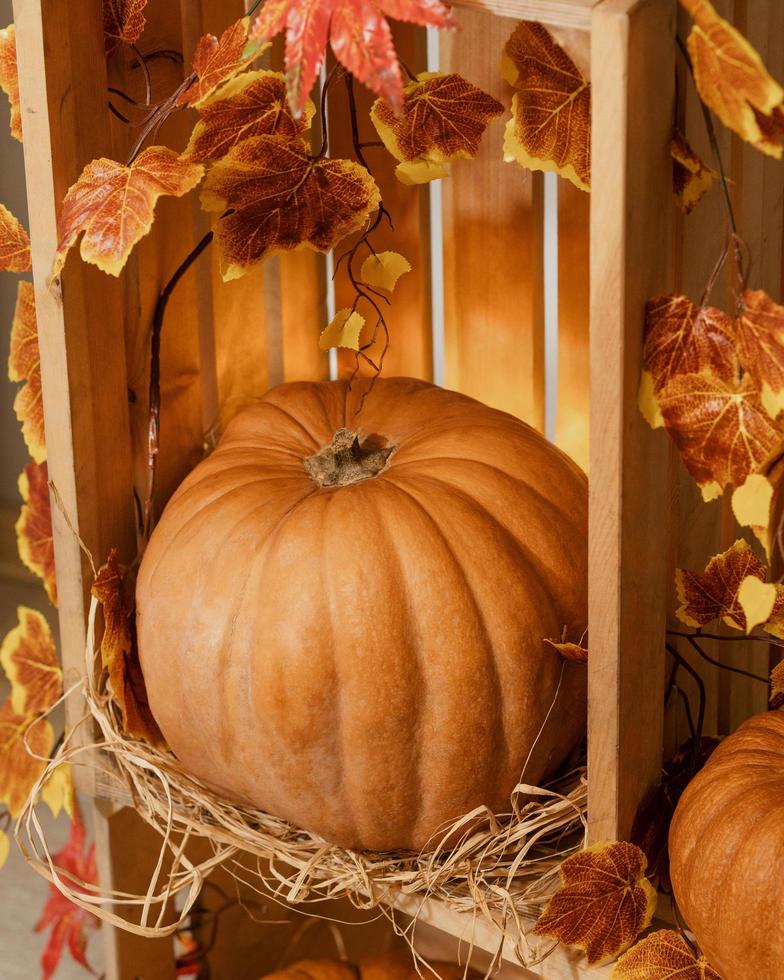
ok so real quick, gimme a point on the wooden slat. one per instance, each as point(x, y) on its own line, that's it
point(410, 349)
point(555, 13)
point(493, 248)
point(632, 75)
point(572, 418)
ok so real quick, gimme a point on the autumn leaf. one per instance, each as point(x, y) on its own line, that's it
point(713, 594)
point(280, 199)
point(383, 269)
point(34, 527)
point(69, 922)
point(14, 244)
point(114, 204)
point(114, 589)
point(24, 364)
point(663, 955)
point(691, 176)
point(123, 23)
point(572, 652)
point(58, 792)
point(550, 126)
point(721, 429)
point(604, 902)
point(19, 770)
point(751, 503)
point(443, 119)
point(29, 659)
point(5, 847)
point(358, 32)
point(777, 686)
point(760, 341)
point(343, 330)
point(732, 80)
point(215, 61)
point(249, 105)
point(9, 77)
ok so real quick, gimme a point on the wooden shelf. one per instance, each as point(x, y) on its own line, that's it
point(554, 13)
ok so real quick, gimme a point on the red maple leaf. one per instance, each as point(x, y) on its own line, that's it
point(69, 922)
point(358, 32)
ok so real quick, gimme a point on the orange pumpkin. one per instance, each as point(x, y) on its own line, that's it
point(347, 631)
point(727, 852)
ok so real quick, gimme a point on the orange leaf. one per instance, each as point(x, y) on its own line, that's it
point(216, 61)
point(123, 22)
point(777, 686)
point(574, 652)
point(713, 594)
point(681, 338)
point(281, 198)
point(604, 902)
point(733, 81)
point(358, 32)
point(760, 333)
point(249, 105)
point(664, 955)
point(443, 119)
point(114, 589)
point(114, 205)
point(721, 429)
point(9, 77)
point(19, 770)
point(550, 128)
point(24, 364)
point(68, 920)
point(29, 659)
point(691, 176)
point(14, 244)
point(34, 527)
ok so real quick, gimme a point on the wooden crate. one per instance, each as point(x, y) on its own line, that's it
point(472, 316)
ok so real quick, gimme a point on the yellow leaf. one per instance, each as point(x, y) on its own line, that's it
point(343, 330)
point(29, 659)
point(5, 847)
point(648, 402)
point(58, 792)
point(751, 501)
point(691, 176)
point(733, 81)
point(756, 599)
point(413, 172)
point(384, 269)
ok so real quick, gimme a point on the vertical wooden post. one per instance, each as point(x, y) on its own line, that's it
point(632, 59)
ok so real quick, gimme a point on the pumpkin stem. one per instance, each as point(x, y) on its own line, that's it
point(345, 461)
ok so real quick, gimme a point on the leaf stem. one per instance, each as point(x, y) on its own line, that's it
point(726, 639)
point(695, 752)
point(154, 398)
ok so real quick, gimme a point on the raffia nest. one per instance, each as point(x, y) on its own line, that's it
point(500, 867)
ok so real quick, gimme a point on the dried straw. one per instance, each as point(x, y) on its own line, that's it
point(503, 867)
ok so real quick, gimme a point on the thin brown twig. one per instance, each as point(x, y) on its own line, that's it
point(145, 71)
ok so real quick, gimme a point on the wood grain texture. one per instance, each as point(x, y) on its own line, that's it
point(556, 13)
point(632, 59)
point(493, 248)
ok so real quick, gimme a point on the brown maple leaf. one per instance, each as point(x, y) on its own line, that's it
point(281, 198)
point(19, 769)
point(604, 902)
point(714, 594)
point(123, 23)
point(24, 364)
point(34, 527)
point(721, 429)
point(216, 60)
point(573, 652)
point(777, 686)
point(114, 204)
point(760, 340)
point(253, 104)
point(663, 955)
point(732, 80)
point(359, 35)
point(69, 921)
point(692, 178)
point(443, 119)
point(29, 659)
point(114, 589)
point(550, 127)
point(682, 338)
point(14, 244)
point(9, 77)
